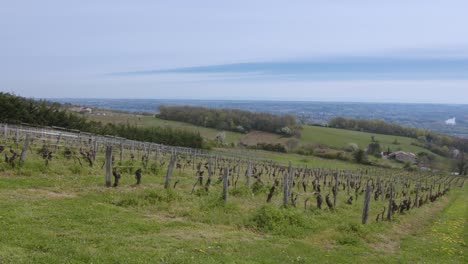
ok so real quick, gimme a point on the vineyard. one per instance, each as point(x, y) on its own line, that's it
point(186, 188)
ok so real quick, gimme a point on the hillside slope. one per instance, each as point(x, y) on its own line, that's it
point(331, 137)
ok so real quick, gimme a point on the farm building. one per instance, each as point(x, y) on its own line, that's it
point(403, 156)
point(82, 110)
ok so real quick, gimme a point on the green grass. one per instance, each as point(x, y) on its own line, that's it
point(445, 238)
point(60, 215)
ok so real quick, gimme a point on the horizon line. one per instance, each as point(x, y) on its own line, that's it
point(255, 100)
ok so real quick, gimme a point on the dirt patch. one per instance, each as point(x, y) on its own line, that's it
point(46, 193)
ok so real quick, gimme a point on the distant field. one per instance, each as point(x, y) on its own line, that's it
point(331, 137)
point(339, 138)
point(424, 116)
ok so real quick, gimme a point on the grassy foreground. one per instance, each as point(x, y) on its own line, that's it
point(63, 214)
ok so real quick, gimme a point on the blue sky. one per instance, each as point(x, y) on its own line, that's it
point(360, 50)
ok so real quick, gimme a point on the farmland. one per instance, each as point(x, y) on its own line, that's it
point(329, 137)
point(64, 212)
point(337, 138)
point(424, 116)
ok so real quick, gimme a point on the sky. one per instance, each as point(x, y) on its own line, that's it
point(318, 50)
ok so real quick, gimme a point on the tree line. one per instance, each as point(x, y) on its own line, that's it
point(16, 110)
point(230, 119)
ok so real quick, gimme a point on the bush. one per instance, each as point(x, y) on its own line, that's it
point(281, 221)
point(331, 154)
point(360, 156)
point(307, 149)
point(351, 147)
point(285, 131)
point(270, 147)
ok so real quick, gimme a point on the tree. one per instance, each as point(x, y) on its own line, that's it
point(462, 164)
point(285, 130)
point(360, 156)
point(426, 159)
point(220, 138)
point(374, 148)
point(351, 147)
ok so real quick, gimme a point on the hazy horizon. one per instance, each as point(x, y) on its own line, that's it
point(243, 100)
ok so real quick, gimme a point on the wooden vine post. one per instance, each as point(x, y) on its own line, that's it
point(194, 160)
point(95, 149)
point(57, 142)
point(5, 131)
point(247, 174)
point(156, 153)
point(108, 165)
point(390, 204)
point(285, 189)
point(16, 137)
point(121, 153)
point(226, 184)
point(286, 185)
point(24, 151)
point(416, 200)
point(169, 172)
point(335, 192)
point(238, 169)
point(290, 180)
point(367, 199)
point(347, 183)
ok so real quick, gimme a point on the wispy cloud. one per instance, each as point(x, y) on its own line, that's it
point(377, 68)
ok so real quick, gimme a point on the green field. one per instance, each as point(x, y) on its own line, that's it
point(339, 138)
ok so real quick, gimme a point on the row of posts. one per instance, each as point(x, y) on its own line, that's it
point(287, 182)
point(287, 178)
